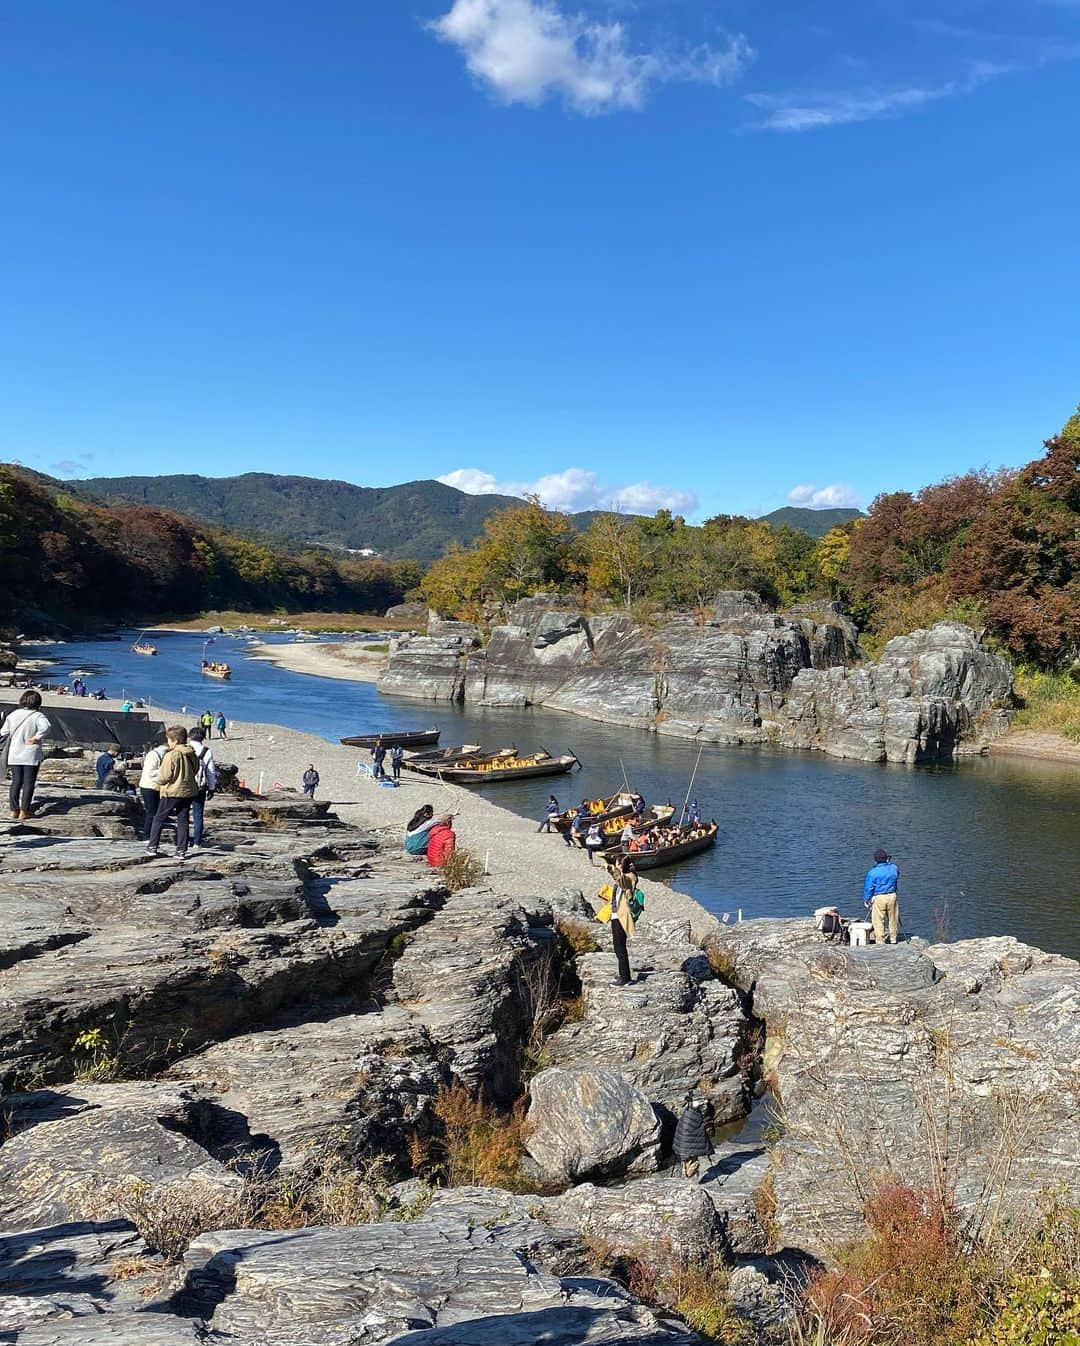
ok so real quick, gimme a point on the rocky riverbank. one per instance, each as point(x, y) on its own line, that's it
point(234, 1088)
point(745, 675)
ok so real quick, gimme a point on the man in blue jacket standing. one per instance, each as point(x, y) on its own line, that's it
point(879, 894)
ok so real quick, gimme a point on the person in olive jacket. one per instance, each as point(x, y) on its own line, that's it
point(691, 1137)
point(178, 784)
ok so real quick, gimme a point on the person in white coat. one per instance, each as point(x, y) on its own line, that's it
point(21, 738)
point(148, 785)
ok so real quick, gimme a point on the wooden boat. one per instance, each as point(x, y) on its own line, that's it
point(143, 647)
point(516, 767)
point(215, 670)
point(494, 768)
point(431, 763)
point(671, 852)
point(408, 738)
point(600, 810)
point(612, 830)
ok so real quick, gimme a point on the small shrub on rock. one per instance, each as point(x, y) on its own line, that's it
point(462, 870)
point(479, 1146)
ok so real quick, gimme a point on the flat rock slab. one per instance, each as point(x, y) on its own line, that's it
point(80, 1165)
point(377, 1283)
point(359, 1085)
point(69, 1271)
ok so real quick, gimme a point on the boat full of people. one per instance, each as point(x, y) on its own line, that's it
point(143, 647)
point(214, 668)
point(668, 845)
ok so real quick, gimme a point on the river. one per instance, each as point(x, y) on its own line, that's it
point(990, 846)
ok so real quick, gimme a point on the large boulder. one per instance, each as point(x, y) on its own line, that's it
point(933, 693)
point(431, 667)
point(953, 1064)
point(589, 1122)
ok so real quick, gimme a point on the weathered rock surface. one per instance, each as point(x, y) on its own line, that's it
point(81, 1271)
point(746, 675)
point(674, 1031)
point(443, 1279)
point(356, 1085)
point(472, 979)
point(932, 693)
point(911, 1061)
point(589, 1122)
point(662, 1220)
point(82, 1146)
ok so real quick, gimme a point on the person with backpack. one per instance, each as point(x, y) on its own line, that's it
point(310, 780)
point(397, 756)
point(692, 1142)
point(21, 753)
point(220, 723)
point(206, 778)
point(178, 785)
point(627, 904)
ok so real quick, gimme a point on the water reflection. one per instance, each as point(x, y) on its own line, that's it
point(989, 846)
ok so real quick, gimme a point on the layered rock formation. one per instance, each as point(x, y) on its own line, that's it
point(955, 1067)
point(744, 675)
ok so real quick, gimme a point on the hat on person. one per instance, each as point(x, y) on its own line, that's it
point(880, 856)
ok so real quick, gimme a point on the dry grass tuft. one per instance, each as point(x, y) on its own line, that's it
point(479, 1145)
point(462, 870)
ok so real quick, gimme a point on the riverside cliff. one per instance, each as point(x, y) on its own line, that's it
point(744, 675)
point(236, 1091)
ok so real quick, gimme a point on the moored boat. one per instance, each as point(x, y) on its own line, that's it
point(657, 815)
point(408, 738)
point(600, 810)
point(664, 850)
point(504, 767)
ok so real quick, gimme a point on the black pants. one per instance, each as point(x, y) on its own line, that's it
point(23, 780)
point(150, 801)
point(180, 809)
point(618, 939)
point(395, 767)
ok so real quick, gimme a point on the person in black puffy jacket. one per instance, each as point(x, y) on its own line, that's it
point(691, 1137)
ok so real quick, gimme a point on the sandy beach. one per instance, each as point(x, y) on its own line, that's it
point(349, 661)
point(520, 860)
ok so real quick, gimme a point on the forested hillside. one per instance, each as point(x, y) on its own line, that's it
point(816, 522)
point(997, 549)
point(415, 521)
point(74, 562)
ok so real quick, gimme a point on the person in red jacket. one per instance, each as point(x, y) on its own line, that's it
point(441, 843)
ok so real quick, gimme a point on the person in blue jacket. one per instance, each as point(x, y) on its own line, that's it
point(880, 895)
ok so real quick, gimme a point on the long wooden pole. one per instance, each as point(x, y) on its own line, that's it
point(693, 777)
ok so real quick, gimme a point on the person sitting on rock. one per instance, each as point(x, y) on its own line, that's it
point(105, 763)
point(880, 895)
point(441, 842)
point(692, 1141)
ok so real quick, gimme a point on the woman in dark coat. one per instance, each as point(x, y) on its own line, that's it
point(692, 1141)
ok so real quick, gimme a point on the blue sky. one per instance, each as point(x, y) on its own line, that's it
point(643, 251)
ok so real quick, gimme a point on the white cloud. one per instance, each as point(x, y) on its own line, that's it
point(836, 496)
point(528, 50)
point(576, 489)
point(810, 112)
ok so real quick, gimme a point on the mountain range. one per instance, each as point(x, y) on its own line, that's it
point(416, 520)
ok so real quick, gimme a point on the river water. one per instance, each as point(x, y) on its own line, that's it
point(990, 846)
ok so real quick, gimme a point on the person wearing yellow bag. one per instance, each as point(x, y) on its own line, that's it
point(622, 904)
